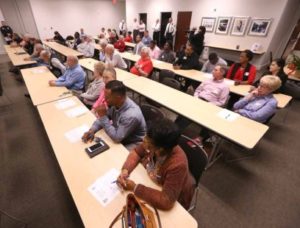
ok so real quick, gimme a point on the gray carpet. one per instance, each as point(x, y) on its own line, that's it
point(259, 192)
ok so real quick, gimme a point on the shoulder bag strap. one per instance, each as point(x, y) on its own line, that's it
point(116, 218)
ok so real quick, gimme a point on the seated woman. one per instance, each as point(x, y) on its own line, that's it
point(166, 165)
point(167, 55)
point(243, 73)
point(144, 66)
point(276, 69)
point(260, 104)
point(95, 87)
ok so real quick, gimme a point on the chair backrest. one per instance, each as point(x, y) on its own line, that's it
point(165, 74)
point(196, 156)
point(172, 83)
point(151, 113)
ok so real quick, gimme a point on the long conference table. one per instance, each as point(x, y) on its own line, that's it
point(242, 131)
point(79, 171)
point(61, 49)
point(17, 56)
point(199, 76)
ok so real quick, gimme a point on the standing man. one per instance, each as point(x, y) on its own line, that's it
point(156, 31)
point(122, 27)
point(170, 30)
point(7, 32)
point(135, 28)
point(142, 28)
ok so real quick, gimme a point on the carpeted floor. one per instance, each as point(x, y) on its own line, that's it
point(259, 192)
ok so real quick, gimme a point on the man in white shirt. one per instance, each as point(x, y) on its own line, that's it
point(87, 48)
point(213, 60)
point(135, 29)
point(142, 28)
point(156, 31)
point(113, 58)
point(122, 27)
point(170, 30)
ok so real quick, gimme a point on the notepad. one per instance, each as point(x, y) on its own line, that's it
point(38, 71)
point(64, 103)
point(75, 134)
point(76, 112)
point(228, 115)
point(105, 189)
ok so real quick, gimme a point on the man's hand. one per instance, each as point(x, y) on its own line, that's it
point(51, 83)
point(88, 136)
point(101, 111)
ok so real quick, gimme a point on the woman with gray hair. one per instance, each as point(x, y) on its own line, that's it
point(144, 66)
point(260, 104)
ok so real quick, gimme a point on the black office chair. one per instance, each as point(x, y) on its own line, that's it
point(197, 159)
point(7, 220)
point(151, 113)
point(165, 74)
point(171, 82)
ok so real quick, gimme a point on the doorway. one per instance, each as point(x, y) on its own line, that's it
point(183, 25)
point(294, 41)
point(143, 17)
point(164, 20)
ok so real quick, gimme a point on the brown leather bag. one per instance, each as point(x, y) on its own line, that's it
point(146, 214)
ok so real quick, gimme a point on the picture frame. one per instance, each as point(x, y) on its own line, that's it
point(223, 25)
point(208, 23)
point(259, 26)
point(239, 26)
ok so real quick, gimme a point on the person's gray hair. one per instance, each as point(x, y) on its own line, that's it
point(223, 69)
point(111, 71)
point(110, 46)
point(271, 81)
point(103, 42)
point(146, 50)
point(38, 46)
point(45, 53)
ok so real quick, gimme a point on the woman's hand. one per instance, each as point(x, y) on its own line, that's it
point(122, 177)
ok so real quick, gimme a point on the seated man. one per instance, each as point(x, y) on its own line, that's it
point(87, 48)
point(102, 43)
point(49, 60)
point(166, 164)
point(143, 67)
point(120, 44)
point(123, 121)
point(213, 60)
point(243, 73)
point(146, 38)
point(154, 50)
point(214, 90)
point(74, 76)
point(260, 104)
point(113, 58)
point(167, 55)
point(38, 48)
point(139, 45)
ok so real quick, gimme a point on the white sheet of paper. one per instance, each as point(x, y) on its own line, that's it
point(228, 115)
point(75, 134)
point(229, 82)
point(64, 103)
point(38, 71)
point(103, 189)
point(76, 112)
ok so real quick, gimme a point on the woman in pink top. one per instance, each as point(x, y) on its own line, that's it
point(109, 74)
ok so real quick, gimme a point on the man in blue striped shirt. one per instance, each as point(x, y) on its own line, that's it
point(74, 76)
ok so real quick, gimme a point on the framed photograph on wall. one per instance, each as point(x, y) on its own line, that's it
point(239, 26)
point(223, 25)
point(208, 23)
point(259, 26)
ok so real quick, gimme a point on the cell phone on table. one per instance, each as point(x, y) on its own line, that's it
point(97, 148)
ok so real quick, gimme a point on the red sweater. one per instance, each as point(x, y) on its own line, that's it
point(120, 45)
point(128, 39)
point(145, 64)
point(175, 179)
point(240, 72)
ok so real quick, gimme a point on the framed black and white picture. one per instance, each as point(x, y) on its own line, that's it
point(259, 27)
point(239, 26)
point(223, 25)
point(208, 23)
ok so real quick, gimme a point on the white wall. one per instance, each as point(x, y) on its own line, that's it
point(214, 8)
point(68, 16)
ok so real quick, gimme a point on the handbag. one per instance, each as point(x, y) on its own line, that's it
point(135, 214)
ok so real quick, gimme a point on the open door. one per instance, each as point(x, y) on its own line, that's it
point(294, 41)
point(164, 20)
point(183, 25)
point(143, 17)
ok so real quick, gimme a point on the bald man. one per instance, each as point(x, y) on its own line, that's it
point(74, 76)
